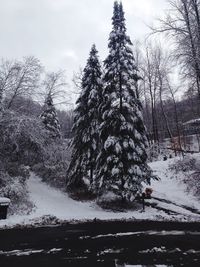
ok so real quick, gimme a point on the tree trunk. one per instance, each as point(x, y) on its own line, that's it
point(193, 48)
point(163, 111)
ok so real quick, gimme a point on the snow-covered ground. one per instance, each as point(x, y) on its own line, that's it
point(171, 192)
point(170, 202)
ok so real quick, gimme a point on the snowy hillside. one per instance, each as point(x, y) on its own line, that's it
point(170, 201)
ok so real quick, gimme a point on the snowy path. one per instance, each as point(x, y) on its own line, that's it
point(170, 201)
point(51, 201)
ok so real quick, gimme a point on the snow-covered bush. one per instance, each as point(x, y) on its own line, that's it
point(186, 164)
point(192, 176)
point(155, 152)
point(193, 182)
point(158, 152)
point(54, 164)
point(15, 188)
point(188, 169)
point(22, 138)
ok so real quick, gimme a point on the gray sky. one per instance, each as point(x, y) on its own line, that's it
point(60, 32)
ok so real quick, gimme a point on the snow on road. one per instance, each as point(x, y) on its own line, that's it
point(51, 201)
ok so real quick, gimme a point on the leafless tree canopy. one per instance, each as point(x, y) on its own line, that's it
point(182, 24)
point(55, 84)
point(19, 78)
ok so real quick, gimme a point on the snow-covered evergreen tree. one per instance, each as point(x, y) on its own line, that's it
point(1, 102)
point(1, 99)
point(50, 119)
point(122, 165)
point(86, 122)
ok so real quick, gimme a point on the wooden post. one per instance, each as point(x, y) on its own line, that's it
point(143, 202)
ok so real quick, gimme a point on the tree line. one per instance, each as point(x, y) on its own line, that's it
point(169, 82)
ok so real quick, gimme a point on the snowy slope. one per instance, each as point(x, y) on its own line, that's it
point(169, 194)
point(171, 188)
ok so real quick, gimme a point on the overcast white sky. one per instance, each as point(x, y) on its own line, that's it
point(60, 32)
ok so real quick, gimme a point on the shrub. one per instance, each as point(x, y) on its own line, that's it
point(22, 138)
point(183, 165)
point(15, 188)
point(55, 162)
point(189, 171)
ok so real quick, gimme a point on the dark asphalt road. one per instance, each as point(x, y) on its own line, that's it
point(100, 243)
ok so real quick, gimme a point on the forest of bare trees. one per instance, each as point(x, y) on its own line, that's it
point(170, 72)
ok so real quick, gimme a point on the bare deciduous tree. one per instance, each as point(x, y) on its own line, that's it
point(19, 78)
point(150, 87)
point(182, 23)
point(55, 84)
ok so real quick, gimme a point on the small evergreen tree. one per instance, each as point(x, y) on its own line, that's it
point(122, 160)
point(50, 119)
point(80, 174)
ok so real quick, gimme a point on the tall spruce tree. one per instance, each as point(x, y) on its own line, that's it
point(80, 174)
point(122, 165)
point(50, 119)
